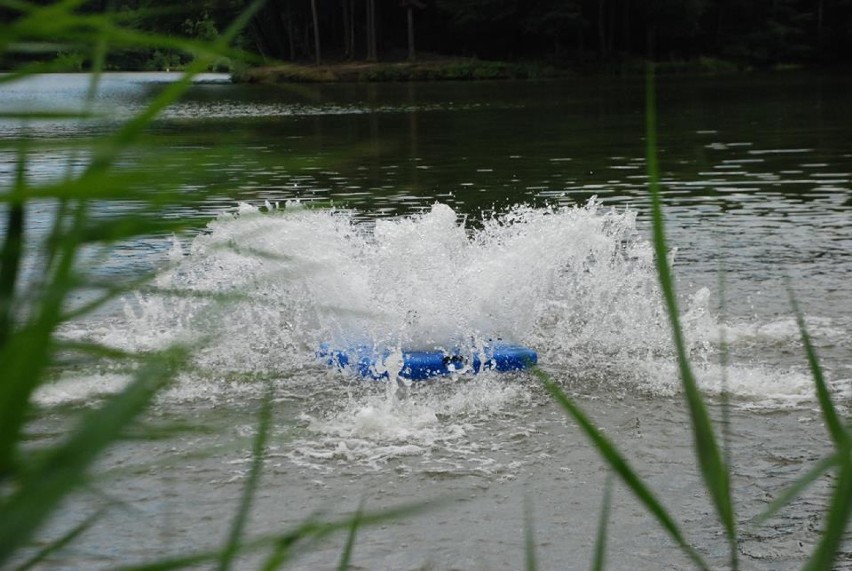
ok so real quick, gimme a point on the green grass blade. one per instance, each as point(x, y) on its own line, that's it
point(23, 360)
point(63, 541)
point(10, 261)
point(796, 488)
point(184, 562)
point(838, 431)
point(599, 561)
point(529, 536)
point(95, 350)
point(39, 481)
point(252, 482)
point(713, 467)
point(64, 467)
point(349, 548)
point(621, 467)
point(283, 544)
point(10, 255)
point(24, 357)
point(840, 509)
point(837, 519)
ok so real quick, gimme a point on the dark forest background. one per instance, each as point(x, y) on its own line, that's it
point(562, 33)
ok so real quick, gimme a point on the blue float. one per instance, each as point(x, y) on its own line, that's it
point(375, 363)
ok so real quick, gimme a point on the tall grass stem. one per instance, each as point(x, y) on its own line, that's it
point(713, 468)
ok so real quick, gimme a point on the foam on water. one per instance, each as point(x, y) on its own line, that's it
point(74, 387)
point(430, 422)
point(261, 288)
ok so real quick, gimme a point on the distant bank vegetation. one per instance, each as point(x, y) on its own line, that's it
point(435, 69)
point(466, 37)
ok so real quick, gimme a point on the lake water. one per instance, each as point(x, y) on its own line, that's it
point(462, 211)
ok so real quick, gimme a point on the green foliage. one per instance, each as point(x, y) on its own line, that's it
point(163, 60)
point(143, 34)
point(69, 61)
point(35, 484)
point(203, 28)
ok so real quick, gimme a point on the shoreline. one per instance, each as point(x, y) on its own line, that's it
point(444, 69)
point(440, 68)
point(472, 69)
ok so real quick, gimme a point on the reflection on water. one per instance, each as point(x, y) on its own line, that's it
point(756, 169)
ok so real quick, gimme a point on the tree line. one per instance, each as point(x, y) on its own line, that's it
point(751, 33)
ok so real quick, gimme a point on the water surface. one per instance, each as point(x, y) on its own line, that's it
point(465, 210)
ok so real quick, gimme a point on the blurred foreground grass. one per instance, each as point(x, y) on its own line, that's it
point(40, 275)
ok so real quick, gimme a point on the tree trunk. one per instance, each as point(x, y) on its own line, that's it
point(371, 31)
point(348, 28)
point(344, 12)
point(285, 18)
point(291, 34)
point(257, 34)
point(410, 33)
point(316, 31)
point(351, 25)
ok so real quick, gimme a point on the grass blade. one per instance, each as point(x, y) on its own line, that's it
point(35, 484)
point(10, 261)
point(24, 358)
point(252, 482)
point(529, 536)
point(839, 433)
point(600, 540)
point(840, 509)
point(346, 556)
point(61, 542)
point(794, 490)
point(839, 514)
point(283, 544)
point(621, 467)
point(714, 470)
point(10, 255)
point(64, 467)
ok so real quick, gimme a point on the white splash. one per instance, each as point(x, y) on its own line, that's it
point(261, 288)
point(268, 287)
